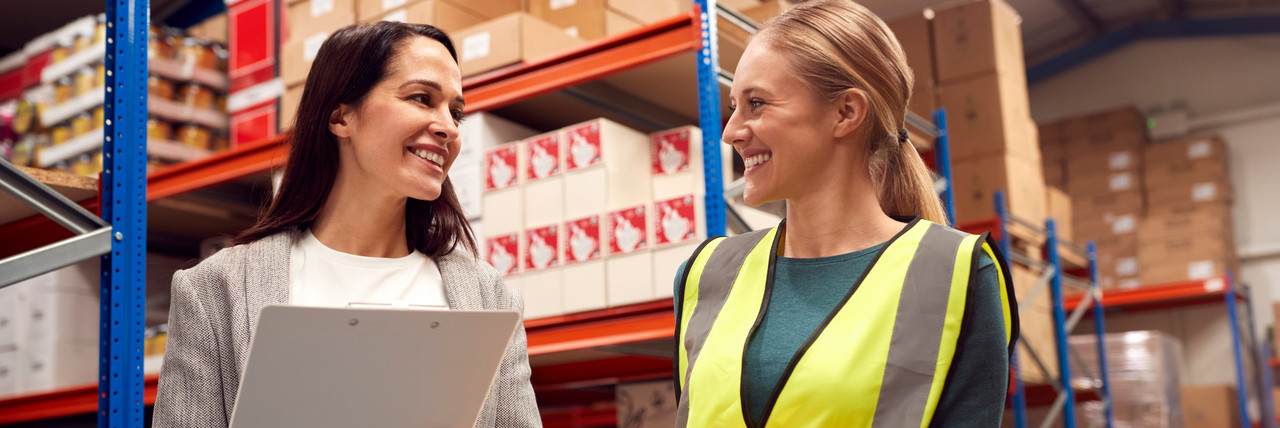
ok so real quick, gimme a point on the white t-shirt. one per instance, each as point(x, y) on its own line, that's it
point(322, 276)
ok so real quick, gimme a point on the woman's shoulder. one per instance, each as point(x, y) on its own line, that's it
point(465, 268)
point(230, 261)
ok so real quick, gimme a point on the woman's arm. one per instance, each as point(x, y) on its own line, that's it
point(190, 390)
point(975, 391)
point(514, 403)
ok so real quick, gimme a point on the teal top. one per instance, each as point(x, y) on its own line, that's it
point(805, 291)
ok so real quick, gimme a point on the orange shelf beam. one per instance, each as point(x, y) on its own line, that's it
point(1166, 295)
point(68, 402)
point(614, 326)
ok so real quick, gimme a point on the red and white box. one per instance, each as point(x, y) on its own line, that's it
point(603, 168)
point(502, 204)
point(504, 253)
point(629, 265)
point(484, 131)
point(544, 181)
point(680, 225)
point(584, 271)
point(675, 158)
point(542, 248)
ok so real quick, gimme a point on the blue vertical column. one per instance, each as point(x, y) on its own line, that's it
point(1100, 329)
point(124, 191)
point(1059, 326)
point(942, 163)
point(1006, 247)
point(709, 120)
point(1242, 388)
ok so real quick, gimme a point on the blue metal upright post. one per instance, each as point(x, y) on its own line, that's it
point(709, 120)
point(1242, 389)
point(1006, 245)
point(942, 163)
point(1059, 327)
point(1100, 329)
point(124, 190)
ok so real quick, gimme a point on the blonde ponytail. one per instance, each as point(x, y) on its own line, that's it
point(837, 46)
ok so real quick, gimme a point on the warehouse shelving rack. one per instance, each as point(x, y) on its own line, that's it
point(1217, 290)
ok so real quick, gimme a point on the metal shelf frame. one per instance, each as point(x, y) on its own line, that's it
point(1053, 278)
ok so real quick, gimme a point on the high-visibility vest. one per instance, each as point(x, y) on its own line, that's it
point(880, 359)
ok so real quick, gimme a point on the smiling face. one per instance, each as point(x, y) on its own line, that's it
point(403, 137)
point(783, 131)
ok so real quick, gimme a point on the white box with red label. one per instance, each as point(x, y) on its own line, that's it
point(502, 205)
point(483, 131)
point(679, 227)
point(603, 167)
point(584, 265)
point(629, 265)
point(542, 248)
point(544, 179)
point(504, 253)
point(543, 293)
point(675, 158)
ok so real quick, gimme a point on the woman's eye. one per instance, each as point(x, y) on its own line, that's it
point(421, 99)
point(457, 115)
point(755, 104)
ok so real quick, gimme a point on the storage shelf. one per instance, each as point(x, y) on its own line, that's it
point(76, 61)
point(68, 402)
point(81, 103)
point(70, 149)
point(607, 327)
point(1210, 290)
point(187, 72)
point(74, 187)
point(178, 112)
point(174, 151)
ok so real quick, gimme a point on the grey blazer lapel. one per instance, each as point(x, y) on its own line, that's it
point(460, 288)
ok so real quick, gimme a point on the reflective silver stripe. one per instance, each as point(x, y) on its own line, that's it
point(717, 279)
point(917, 330)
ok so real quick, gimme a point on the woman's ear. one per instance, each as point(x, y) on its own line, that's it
point(338, 121)
point(851, 108)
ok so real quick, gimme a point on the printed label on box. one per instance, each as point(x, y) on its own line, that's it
point(401, 15)
point(1204, 192)
point(561, 4)
point(583, 240)
point(670, 152)
point(1124, 224)
point(1129, 283)
point(1127, 266)
point(1215, 284)
point(1199, 150)
point(584, 146)
point(1121, 160)
point(475, 46)
point(311, 46)
point(1200, 269)
point(627, 230)
point(544, 157)
point(676, 220)
point(543, 248)
point(321, 7)
point(392, 4)
point(572, 31)
point(1122, 181)
point(503, 251)
point(500, 167)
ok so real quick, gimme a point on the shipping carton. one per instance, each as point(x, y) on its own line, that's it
point(444, 15)
point(977, 180)
point(508, 40)
point(989, 115)
point(1187, 196)
point(1100, 140)
point(977, 38)
point(1210, 406)
point(1124, 119)
point(1036, 326)
point(914, 34)
point(588, 19)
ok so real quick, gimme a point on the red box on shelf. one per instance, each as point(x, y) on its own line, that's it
point(253, 29)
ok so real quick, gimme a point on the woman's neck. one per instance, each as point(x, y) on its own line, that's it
point(356, 220)
point(834, 220)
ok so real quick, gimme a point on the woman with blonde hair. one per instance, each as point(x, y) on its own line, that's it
point(863, 308)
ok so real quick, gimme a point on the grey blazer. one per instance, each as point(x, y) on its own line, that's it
point(214, 312)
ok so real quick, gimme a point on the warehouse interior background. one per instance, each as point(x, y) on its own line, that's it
point(1183, 70)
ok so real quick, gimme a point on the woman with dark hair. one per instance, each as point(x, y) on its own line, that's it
point(365, 214)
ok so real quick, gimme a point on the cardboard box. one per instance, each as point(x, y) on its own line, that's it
point(8, 371)
point(1118, 262)
point(629, 263)
point(1205, 220)
point(914, 34)
point(646, 12)
point(319, 16)
point(1187, 196)
point(483, 131)
point(503, 199)
point(1036, 326)
point(1060, 210)
point(666, 262)
point(259, 121)
point(1195, 148)
point(55, 365)
point(253, 28)
point(587, 19)
point(1105, 207)
point(583, 255)
point(13, 300)
point(977, 180)
point(544, 179)
point(601, 172)
point(296, 56)
point(675, 156)
point(1181, 258)
point(647, 404)
point(444, 15)
point(1099, 183)
point(490, 9)
point(543, 293)
point(61, 317)
point(468, 187)
point(1109, 225)
point(1172, 272)
point(508, 40)
point(989, 115)
point(1187, 172)
point(1210, 406)
point(1105, 161)
point(214, 28)
point(765, 10)
point(982, 37)
point(504, 252)
point(542, 248)
point(289, 106)
point(1124, 119)
point(1105, 140)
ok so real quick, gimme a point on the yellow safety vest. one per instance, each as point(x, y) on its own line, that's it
point(880, 359)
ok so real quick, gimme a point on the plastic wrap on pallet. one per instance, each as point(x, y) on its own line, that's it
point(1144, 371)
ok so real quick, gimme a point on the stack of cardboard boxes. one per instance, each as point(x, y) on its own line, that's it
point(1187, 233)
point(49, 331)
point(1099, 159)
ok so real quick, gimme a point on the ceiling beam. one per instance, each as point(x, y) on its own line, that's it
point(1078, 10)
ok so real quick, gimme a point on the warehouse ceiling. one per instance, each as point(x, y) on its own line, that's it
point(1049, 28)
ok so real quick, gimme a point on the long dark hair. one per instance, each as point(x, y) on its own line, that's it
point(346, 68)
